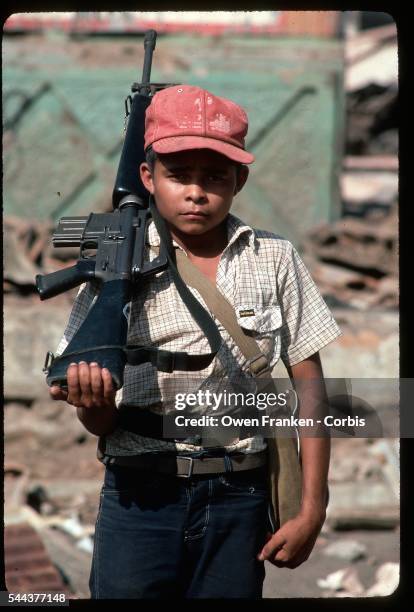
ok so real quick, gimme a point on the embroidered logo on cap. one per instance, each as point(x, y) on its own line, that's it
point(220, 124)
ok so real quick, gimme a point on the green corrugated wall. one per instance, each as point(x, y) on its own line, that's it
point(64, 124)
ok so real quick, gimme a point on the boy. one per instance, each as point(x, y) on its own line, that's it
point(161, 531)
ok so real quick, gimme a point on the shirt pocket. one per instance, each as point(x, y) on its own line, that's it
point(264, 325)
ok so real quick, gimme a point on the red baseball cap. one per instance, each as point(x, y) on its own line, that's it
point(183, 117)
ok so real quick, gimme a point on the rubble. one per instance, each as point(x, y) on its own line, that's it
point(371, 59)
point(386, 452)
point(42, 325)
point(345, 582)
point(378, 190)
point(349, 550)
point(342, 583)
point(18, 269)
point(73, 562)
point(356, 262)
point(28, 251)
point(388, 577)
point(364, 492)
point(16, 479)
point(28, 567)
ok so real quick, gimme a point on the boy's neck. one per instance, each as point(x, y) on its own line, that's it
point(210, 244)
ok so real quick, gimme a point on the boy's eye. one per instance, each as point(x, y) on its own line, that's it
point(182, 177)
point(178, 176)
point(216, 177)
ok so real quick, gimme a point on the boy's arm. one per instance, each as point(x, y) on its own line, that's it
point(292, 544)
point(315, 451)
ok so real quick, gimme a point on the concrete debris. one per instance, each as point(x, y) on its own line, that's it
point(385, 452)
point(22, 423)
point(73, 562)
point(368, 348)
point(28, 250)
point(381, 68)
point(16, 479)
point(355, 261)
point(343, 469)
point(43, 325)
point(332, 581)
point(349, 550)
point(371, 83)
point(368, 248)
point(18, 271)
point(38, 499)
point(379, 163)
point(28, 567)
point(72, 526)
point(388, 578)
point(345, 581)
point(372, 117)
point(85, 544)
point(373, 188)
point(346, 519)
point(354, 505)
point(371, 56)
point(365, 42)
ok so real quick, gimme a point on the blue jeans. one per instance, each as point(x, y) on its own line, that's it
point(160, 536)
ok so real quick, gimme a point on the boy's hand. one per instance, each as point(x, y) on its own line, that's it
point(89, 386)
point(292, 544)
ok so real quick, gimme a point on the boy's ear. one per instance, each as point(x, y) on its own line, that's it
point(242, 174)
point(146, 177)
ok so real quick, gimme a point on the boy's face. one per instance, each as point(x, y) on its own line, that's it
point(194, 189)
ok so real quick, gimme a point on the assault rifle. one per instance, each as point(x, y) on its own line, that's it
point(118, 239)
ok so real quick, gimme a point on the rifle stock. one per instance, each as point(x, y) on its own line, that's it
point(101, 337)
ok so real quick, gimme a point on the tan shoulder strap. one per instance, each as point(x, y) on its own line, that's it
point(257, 362)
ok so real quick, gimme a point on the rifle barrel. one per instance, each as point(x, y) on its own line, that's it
point(149, 46)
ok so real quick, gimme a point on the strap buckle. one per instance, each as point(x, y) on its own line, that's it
point(257, 365)
point(190, 468)
point(165, 361)
point(48, 361)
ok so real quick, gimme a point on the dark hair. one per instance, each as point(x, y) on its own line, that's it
point(151, 157)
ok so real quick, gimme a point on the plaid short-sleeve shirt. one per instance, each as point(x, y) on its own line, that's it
point(259, 273)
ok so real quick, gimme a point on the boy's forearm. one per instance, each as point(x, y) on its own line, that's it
point(315, 465)
point(315, 444)
point(98, 420)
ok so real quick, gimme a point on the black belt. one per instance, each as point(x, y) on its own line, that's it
point(142, 421)
point(186, 467)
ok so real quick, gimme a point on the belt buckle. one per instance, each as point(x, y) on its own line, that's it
point(190, 470)
point(257, 365)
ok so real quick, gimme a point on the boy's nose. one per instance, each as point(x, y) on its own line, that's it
point(196, 192)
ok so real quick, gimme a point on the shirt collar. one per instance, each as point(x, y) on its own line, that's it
point(235, 228)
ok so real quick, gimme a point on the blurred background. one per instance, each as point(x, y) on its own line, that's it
point(320, 89)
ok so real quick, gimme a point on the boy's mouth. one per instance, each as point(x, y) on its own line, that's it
point(195, 215)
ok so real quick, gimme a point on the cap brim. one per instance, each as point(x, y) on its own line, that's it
point(174, 144)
